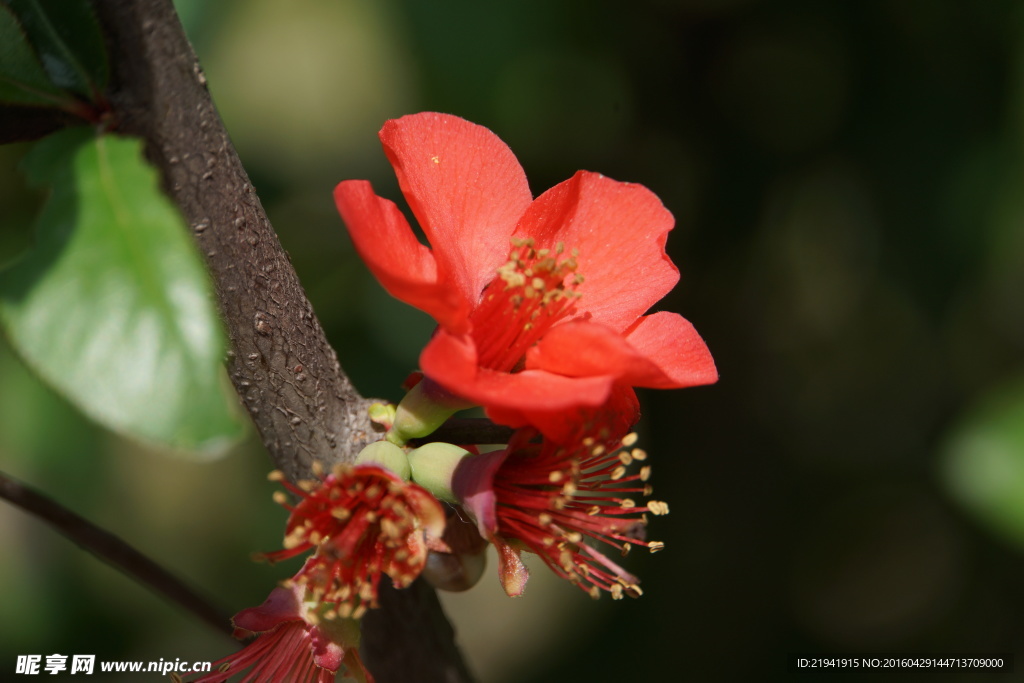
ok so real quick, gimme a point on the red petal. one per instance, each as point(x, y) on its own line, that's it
point(451, 361)
point(619, 230)
point(465, 187)
point(327, 652)
point(662, 351)
point(283, 604)
point(512, 573)
point(669, 341)
point(473, 484)
point(405, 268)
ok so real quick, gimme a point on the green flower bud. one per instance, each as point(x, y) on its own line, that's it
point(433, 465)
point(424, 409)
point(387, 455)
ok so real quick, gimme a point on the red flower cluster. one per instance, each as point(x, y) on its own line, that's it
point(540, 302)
point(363, 521)
point(538, 496)
point(292, 644)
point(541, 307)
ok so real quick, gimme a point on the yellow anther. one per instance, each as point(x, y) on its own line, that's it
point(657, 507)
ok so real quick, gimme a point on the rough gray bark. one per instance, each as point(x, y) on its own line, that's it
point(281, 364)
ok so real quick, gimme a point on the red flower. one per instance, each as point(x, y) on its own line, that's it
point(292, 645)
point(550, 499)
point(363, 521)
point(540, 302)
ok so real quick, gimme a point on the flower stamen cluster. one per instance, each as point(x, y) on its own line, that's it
point(560, 502)
point(291, 643)
point(362, 521)
point(532, 291)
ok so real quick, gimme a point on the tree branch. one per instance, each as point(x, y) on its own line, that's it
point(113, 551)
point(280, 362)
point(468, 430)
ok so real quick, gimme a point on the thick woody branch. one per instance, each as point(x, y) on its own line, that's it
point(281, 364)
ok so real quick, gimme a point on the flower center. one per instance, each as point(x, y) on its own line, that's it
point(532, 291)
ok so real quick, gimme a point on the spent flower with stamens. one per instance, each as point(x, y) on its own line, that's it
point(293, 643)
point(541, 303)
point(565, 503)
point(362, 521)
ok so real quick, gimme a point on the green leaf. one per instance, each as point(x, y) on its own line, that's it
point(983, 463)
point(69, 42)
point(113, 306)
point(22, 78)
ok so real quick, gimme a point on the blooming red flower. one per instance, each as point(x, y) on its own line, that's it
point(540, 303)
point(550, 499)
point(363, 521)
point(292, 645)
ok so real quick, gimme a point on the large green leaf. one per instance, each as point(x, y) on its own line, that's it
point(113, 306)
point(68, 40)
point(22, 78)
point(983, 464)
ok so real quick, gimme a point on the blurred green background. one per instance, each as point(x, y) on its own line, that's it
point(848, 186)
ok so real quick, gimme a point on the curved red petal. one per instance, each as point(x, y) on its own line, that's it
point(661, 351)
point(404, 267)
point(465, 187)
point(512, 573)
point(670, 341)
point(451, 361)
point(327, 652)
point(473, 484)
point(283, 604)
point(619, 230)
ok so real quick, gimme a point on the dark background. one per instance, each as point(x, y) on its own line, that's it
point(847, 183)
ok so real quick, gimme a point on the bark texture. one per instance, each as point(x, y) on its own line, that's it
point(281, 364)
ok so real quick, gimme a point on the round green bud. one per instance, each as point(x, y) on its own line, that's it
point(388, 455)
point(433, 465)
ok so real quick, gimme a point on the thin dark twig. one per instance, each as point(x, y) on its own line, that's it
point(468, 430)
point(113, 551)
